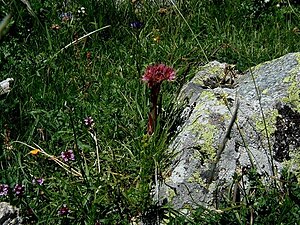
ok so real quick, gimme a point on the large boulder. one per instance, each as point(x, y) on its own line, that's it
point(234, 122)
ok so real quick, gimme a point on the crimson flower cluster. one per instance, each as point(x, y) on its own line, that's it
point(156, 74)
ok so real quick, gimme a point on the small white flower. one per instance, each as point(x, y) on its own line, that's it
point(81, 10)
point(266, 1)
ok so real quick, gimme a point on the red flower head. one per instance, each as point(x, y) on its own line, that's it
point(156, 74)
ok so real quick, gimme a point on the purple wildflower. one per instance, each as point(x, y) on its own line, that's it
point(19, 189)
point(38, 181)
point(3, 189)
point(136, 24)
point(68, 155)
point(64, 210)
point(89, 122)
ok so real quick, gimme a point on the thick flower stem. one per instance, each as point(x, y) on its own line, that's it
point(153, 112)
point(154, 76)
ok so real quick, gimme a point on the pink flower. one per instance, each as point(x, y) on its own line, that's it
point(156, 74)
point(68, 155)
point(89, 122)
point(39, 181)
point(19, 189)
point(3, 189)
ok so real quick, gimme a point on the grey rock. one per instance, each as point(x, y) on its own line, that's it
point(9, 215)
point(202, 171)
point(5, 86)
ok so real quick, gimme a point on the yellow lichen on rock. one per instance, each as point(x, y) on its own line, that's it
point(196, 178)
point(208, 71)
point(293, 97)
point(293, 91)
point(268, 123)
point(171, 194)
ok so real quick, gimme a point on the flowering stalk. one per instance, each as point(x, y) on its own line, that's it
point(154, 76)
point(153, 108)
point(89, 123)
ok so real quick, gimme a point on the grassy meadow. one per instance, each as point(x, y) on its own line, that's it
point(74, 147)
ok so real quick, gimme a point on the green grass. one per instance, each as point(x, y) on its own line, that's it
point(55, 90)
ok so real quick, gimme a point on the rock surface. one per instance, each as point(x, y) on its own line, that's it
point(5, 86)
point(9, 215)
point(265, 134)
